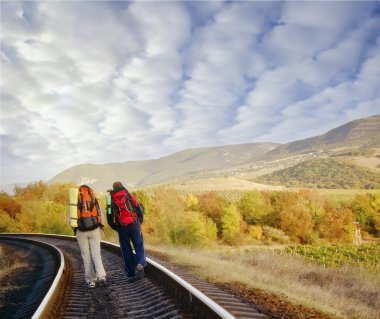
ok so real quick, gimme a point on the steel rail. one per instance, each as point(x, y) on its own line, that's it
point(194, 292)
point(47, 302)
point(188, 295)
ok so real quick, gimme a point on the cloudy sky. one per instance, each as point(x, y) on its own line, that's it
point(98, 82)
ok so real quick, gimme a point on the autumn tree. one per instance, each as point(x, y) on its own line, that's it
point(364, 209)
point(253, 207)
point(297, 222)
point(191, 202)
point(338, 224)
point(231, 219)
point(212, 205)
point(164, 208)
point(33, 191)
point(9, 205)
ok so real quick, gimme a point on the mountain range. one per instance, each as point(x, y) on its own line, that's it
point(243, 161)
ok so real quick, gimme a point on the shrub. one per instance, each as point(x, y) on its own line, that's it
point(9, 205)
point(192, 229)
point(253, 207)
point(231, 224)
point(212, 205)
point(297, 223)
point(337, 224)
point(273, 234)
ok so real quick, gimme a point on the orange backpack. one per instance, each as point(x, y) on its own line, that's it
point(88, 209)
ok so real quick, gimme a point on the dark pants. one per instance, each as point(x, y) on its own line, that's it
point(128, 234)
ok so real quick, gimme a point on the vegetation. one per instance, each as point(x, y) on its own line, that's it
point(346, 292)
point(364, 256)
point(237, 240)
point(303, 216)
point(357, 152)
point(324, 173)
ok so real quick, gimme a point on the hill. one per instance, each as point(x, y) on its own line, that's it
point(363, 133)
point(351, 141)
point(185, 163)
point(324, 173)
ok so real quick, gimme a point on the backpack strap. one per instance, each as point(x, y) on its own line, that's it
point(132, 204)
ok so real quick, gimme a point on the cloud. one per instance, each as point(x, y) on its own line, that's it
point(96, 82)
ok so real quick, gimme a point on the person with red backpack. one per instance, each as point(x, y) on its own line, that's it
point(125, 216)
point(90, 221)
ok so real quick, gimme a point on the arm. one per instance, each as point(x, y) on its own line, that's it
point(102, 220)
point(139, 210)
point(111, 219)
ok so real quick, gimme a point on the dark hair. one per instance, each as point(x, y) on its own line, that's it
point(117, 185)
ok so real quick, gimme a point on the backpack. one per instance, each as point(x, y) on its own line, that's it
point(88, 209)
point(126, 207)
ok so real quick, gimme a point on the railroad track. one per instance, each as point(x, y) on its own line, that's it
point(161, 294)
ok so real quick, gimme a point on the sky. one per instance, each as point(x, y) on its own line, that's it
point(100, 82)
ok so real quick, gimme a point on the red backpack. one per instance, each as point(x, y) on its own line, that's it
point(88, 209)
point(126, 206)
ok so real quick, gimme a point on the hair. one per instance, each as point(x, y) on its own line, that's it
point(117, 185)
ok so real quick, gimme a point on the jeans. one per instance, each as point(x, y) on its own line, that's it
point(128, 234)
point(89, 244)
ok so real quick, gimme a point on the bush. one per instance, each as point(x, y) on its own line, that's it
point(337, 225)
point(231, 225)
point(9, 205)
point(253, 207)
point(273, 234)
point(192, 229)
point(212, 205)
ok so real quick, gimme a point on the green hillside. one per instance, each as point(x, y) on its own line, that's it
point(324, 173)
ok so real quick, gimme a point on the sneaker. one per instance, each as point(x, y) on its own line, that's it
point(91, 285)
point(101, 281)
point(139, 268)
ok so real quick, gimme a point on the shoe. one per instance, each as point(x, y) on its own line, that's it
point(91, 285)
point(139, 268)
point(101, 281)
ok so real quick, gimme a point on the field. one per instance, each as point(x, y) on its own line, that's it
point(334, 256)
point(233, 189)
point(286, 285)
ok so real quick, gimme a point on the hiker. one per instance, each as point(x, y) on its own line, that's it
point(90, 221)
point(125, 216)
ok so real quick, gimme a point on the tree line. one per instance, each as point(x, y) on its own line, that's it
point(303, 216)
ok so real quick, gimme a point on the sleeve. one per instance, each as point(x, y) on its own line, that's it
point(139, 210)
point(102, 220)
point(111, 219)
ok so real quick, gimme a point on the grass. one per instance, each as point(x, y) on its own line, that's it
point(344, 292)
point(11, 262)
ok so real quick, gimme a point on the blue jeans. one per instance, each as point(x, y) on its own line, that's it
point(128, 234)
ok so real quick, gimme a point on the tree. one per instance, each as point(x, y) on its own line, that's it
point(365, 213)
point(32, 191)
point(231, 224)
point(9, 205)
point(253, 207)
point(191, 202)
point(338, 224)
point(192, 229)
point(297, 222)
point(212, 205)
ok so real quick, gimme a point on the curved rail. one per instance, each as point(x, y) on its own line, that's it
point(48, 301)
point(191, 299)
